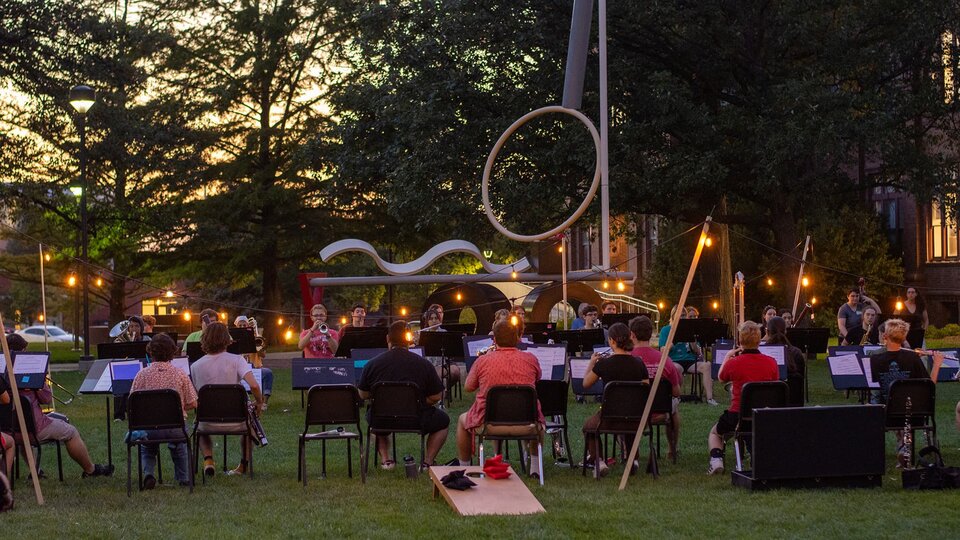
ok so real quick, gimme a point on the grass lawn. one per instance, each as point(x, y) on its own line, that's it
point(684, 502)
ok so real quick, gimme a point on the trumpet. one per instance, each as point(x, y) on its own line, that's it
point(323, 328)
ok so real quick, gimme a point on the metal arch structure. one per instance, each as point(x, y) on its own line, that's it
point(422, 262)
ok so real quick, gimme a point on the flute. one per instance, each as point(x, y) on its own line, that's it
point(922, 352)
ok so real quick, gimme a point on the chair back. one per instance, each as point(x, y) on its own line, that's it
point(332, 404)
point(222, 403)
point(154, 409)
point(553, 397)
point(663, 398)
point(9, 423)
point(923, 397)
point(624, 401)
point(512, 404)
point(395, 404)
point(761, 395)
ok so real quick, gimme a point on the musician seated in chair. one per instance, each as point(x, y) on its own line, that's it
point(256, 358)
point(207, 316)
point(505, 365)
point(793, 357)
point(618, 366)
point(218, 366)
point(161, 374)
point(641, 331)
point(132, 332)
point(400, 365)
point(868, 333)
point(898, 363)
point(52, 428)
point(688, 355)
point(740, 366)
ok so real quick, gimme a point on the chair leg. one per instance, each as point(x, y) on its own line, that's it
point(480, 449)
point(159, 465)
point(583, 462)
point(349, 459)
point(366, 456)
point(736, 449)
point(59, 462)
point(190, 458)
point(140, 468)
point(423, 449)
point(301, 473)
point(596, 458)
point(224, 453)
point(393, 437)
point(248, 443)
point(129, 471)
point(363, 468)
point(540, 460)
point(323, 457)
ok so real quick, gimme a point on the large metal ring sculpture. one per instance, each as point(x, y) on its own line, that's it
point(485, 185)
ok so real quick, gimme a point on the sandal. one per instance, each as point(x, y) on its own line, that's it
point(388, 465)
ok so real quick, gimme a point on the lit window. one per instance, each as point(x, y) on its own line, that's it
point(936, 230)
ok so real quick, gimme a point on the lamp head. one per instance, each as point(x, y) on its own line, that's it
point(82, 97)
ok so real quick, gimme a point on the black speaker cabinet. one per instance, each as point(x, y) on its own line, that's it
point(840, 446)
point(545, 257)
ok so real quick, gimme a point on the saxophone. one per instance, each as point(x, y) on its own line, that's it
point(906, 457)
point(866, 336)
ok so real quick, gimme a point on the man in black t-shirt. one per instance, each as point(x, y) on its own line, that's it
point(400, 365)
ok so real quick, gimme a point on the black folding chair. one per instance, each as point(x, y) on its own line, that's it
point(10, 424)
point(662, 408)
point(923, 399)
point(756, 395)
point(154, 410)
point(511, 415)
point(222, 409)
point(330, 405)
point(622, 410)
point(553, 396)
point(394, 408)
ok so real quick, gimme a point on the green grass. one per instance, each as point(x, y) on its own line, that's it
point(684, 502)
point(61, 353)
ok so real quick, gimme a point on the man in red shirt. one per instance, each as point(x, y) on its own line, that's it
point(641, 331)
point(741, 365)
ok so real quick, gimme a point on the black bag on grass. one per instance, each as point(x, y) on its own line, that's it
point(931, 472)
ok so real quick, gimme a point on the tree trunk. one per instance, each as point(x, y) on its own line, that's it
point(272, 294)
point(118, 299)
point(785, 235)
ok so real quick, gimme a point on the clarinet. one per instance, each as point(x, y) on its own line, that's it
point(908, 436)
point(259, 435)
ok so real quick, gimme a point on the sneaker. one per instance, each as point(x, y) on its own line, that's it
point(99, 470)
point(149, 482)
point(712, 402)
point(388, 465)
point(602, 471)
point(716, 466)
point(209, 467)
point(239, 471)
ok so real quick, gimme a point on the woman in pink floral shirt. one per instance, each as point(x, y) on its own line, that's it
point(505, 365)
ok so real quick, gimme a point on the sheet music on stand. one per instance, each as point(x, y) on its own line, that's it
point(552, 360)
point(846, 372)
point(578, 370)
point(868, 373)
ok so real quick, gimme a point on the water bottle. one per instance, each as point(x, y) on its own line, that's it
point(410, 466)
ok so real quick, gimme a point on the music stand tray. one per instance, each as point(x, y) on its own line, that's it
point(124, 349)
point(244, 341)
point(373, 337)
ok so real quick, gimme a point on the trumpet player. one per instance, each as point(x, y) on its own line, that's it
point(319, 341)
point(255, 359)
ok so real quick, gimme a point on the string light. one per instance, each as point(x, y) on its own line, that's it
point(186, 315)
point(621, 287)
point(403, 312)
point(770, 282)
point(343, 321)
point(280, 321)
point(99, 282)
point(716, 305)
point(805, 281)
point(813, 301)
point(899, 304)
point(662, 305)
point(288, 335)
point(560, 249)
point(514, 320)
point(459, 297)
point(708, 242)
point(40, 317)
point(46, 257)
point(71, 280)
point(513, 274)
point(408, 336)
point(169, 294)
point(223, 315)
point(605, 284)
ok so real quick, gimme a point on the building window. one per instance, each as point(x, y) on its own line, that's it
point(944, 234)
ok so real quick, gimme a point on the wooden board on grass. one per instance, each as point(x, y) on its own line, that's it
point(489, 497)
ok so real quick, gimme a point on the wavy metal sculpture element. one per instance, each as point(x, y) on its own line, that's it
point(421, 263)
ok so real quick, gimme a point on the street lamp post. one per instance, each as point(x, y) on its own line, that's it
point(83, 97)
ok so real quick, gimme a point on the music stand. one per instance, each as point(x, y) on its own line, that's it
point(701, 331)
point(124, 349)
point(173, 335)
point(540, 331)
point(194, 351)
point(446, 345)
point(374, 337)
point(244, 341)
point(468, 329)
point(579, 341)
point(810, 341)
point(607, 319)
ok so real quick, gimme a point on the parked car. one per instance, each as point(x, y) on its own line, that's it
point(34, 334)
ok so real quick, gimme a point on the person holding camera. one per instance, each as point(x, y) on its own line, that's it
point(318, 341)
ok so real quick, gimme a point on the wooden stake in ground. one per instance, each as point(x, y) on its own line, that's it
point(665, 351)
point(15, 397)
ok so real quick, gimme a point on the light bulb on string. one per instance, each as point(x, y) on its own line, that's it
point(186, 316)
point(605, 284)
point(662, 305)
point(169, 294)
point(620, 286)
